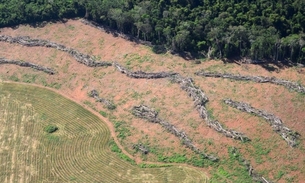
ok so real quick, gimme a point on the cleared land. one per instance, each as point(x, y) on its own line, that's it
point(269, 155)
point(78, 152)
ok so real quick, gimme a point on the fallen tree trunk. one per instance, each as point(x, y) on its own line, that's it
point(151, 115)
point(258, 79)
point(28, 64)
point(80, 57)
point(200, 100)
point(141, 147)
point(276, 123)
point(107, 103)
point(141, 74)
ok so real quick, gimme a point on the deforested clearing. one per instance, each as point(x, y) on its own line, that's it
point(79, 150)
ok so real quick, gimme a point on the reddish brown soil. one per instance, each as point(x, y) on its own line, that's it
point(76, 80)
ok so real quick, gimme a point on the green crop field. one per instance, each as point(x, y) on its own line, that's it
point(78, 151)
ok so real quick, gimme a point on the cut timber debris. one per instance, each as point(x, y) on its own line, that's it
point(258, 79)
point(276, 123)
point(80, 57)
point(141, 147)
point(200, 100)
point(28, 64)
point(141, 74)
point(107, 103)
point(151, 115)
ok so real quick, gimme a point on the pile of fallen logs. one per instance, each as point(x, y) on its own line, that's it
point(200, 99)
point(276, 123)
point(141, 148)
point(80, 57)
point(107, 103)
point(28, 64)
point(151, 115)
point(141, 74)
point(258, 79)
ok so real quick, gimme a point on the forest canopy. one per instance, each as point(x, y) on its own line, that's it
point(271, 30)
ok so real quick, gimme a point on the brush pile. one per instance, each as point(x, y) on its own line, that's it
point(258, 79)
point(141, 148)
point(107, 103)
point(28, 64)
point(141, 74)
point(151, 115)
point(276, 123)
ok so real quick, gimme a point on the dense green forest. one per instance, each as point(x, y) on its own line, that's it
point(262, 29)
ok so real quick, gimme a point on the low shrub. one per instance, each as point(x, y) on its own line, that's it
point(50, 128)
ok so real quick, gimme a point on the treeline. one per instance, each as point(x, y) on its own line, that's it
point(261, 29)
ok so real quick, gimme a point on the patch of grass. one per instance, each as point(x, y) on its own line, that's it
point(50, 128)
point(29, 78)
point(259, 151)
point(13, 78)
point(121, 128)
point(280, 174)
point(115, 148)
point(176, 158)
point(153, 100)
point(136, 95)
point(232, 169)
point(55, 85)
point(195, 160)
point(210, 113)
point(103, 113)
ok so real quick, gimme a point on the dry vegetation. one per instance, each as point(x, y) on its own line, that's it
point(269, 155)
